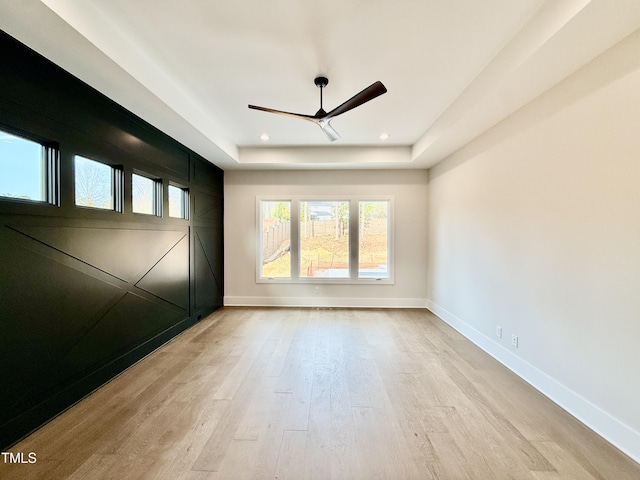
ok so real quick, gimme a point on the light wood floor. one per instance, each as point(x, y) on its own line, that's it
point(319, 394)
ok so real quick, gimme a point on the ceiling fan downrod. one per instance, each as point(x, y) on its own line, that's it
point(321, 82)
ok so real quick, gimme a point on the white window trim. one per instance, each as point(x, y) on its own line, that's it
point(353, 240)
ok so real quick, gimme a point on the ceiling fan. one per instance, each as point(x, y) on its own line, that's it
point(322, 118)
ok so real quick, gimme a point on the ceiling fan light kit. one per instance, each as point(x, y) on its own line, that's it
point(322, 118)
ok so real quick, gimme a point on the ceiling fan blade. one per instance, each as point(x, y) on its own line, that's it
point(280, 112)
point(372, 91)
point(328, 129)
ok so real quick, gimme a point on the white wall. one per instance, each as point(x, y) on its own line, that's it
point(535, 226)
point(409, 188)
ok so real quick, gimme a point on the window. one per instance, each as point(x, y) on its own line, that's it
point(28, 169)
point(373, 239)
point(178, 202)
point(146, 195)
point(325, 240)
point(275, 229)
point(98, 185)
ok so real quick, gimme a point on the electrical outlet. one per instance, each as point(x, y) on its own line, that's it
point(514, 341)
point(498, 331)
point(316, 290)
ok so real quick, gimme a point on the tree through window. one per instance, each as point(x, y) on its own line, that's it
point(94, 182)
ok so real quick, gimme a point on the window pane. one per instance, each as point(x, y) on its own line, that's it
point(22, 168)
point(373, 251)
point(94, 184)
point(276, 238)
point(324, 239)
point(177, 202)
point(143, 194)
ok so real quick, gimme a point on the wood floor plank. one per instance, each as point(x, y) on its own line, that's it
point(220, 440)
point(449, 460)
point(291, 455)
point(261, 393)
point(186, 451)
point(331, 438)
point(566, 466)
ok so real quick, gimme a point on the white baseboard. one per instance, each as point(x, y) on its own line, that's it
point(321, 301)
point(611, 429)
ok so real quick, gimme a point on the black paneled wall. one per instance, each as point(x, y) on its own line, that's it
point(85, 293)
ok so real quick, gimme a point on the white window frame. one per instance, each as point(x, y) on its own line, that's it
point(354, 243)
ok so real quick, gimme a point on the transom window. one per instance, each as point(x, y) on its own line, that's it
point(28, 169)
point(323, 240)
point(178, 202)
point(98, 185)
point(146, 195)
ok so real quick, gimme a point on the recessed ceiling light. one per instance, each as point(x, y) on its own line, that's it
point(384, 136)
point(264, 137)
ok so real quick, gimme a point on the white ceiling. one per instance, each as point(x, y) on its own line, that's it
point(453, 68)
